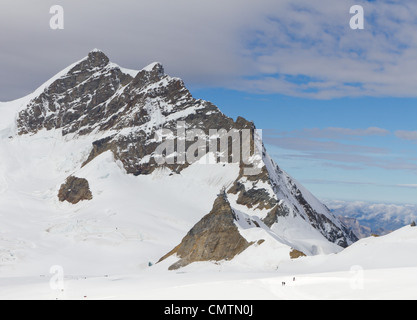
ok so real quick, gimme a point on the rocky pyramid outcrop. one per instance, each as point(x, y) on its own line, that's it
point(214, 238)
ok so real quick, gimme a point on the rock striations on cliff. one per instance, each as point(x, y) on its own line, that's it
point(123, 111)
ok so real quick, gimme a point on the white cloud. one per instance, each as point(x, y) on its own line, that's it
point(337, 61)
point(305, 144)
point(408, 185)
point(334, 132)
point(259, 46)
point(199, 41)
point(406, 135)
point(343, 148)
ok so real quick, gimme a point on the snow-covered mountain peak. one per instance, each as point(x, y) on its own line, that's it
point(95, 50)
point(155, 66)
point(95, 125)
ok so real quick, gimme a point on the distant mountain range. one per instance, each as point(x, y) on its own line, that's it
point(365, 218)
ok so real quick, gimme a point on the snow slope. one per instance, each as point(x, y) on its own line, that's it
point(105, 246)
point(132, 221)
point(373, 268)
point(124, 225)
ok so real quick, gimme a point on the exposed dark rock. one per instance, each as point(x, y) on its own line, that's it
point(215, 237)
point(272, 216)
point(294, 254)
point(75, 190)
point(257, 198)
point(100, 146)
point(327, 227)
point(95, 96)
point(75, 102)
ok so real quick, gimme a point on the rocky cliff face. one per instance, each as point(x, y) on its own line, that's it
point(126, 110)
point(214, 238)
point(97, 96)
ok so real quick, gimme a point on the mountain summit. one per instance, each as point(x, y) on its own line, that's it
point(159, 164)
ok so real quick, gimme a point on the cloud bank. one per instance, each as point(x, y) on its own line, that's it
point(298, 48)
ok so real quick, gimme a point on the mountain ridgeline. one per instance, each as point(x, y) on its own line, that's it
point(128, 109)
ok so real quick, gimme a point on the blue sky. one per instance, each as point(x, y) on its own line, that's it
point(346, 148)
point(337, 106)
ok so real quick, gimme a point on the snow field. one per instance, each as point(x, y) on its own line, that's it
point(374, 284)
point(106, 248)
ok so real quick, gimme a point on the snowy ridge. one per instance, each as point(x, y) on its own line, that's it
point(124, 218)
point(95, 120)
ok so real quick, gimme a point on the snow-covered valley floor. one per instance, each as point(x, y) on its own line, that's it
point(106, 248)
point(102, 249)
point(372, 268)
point(390, 283)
